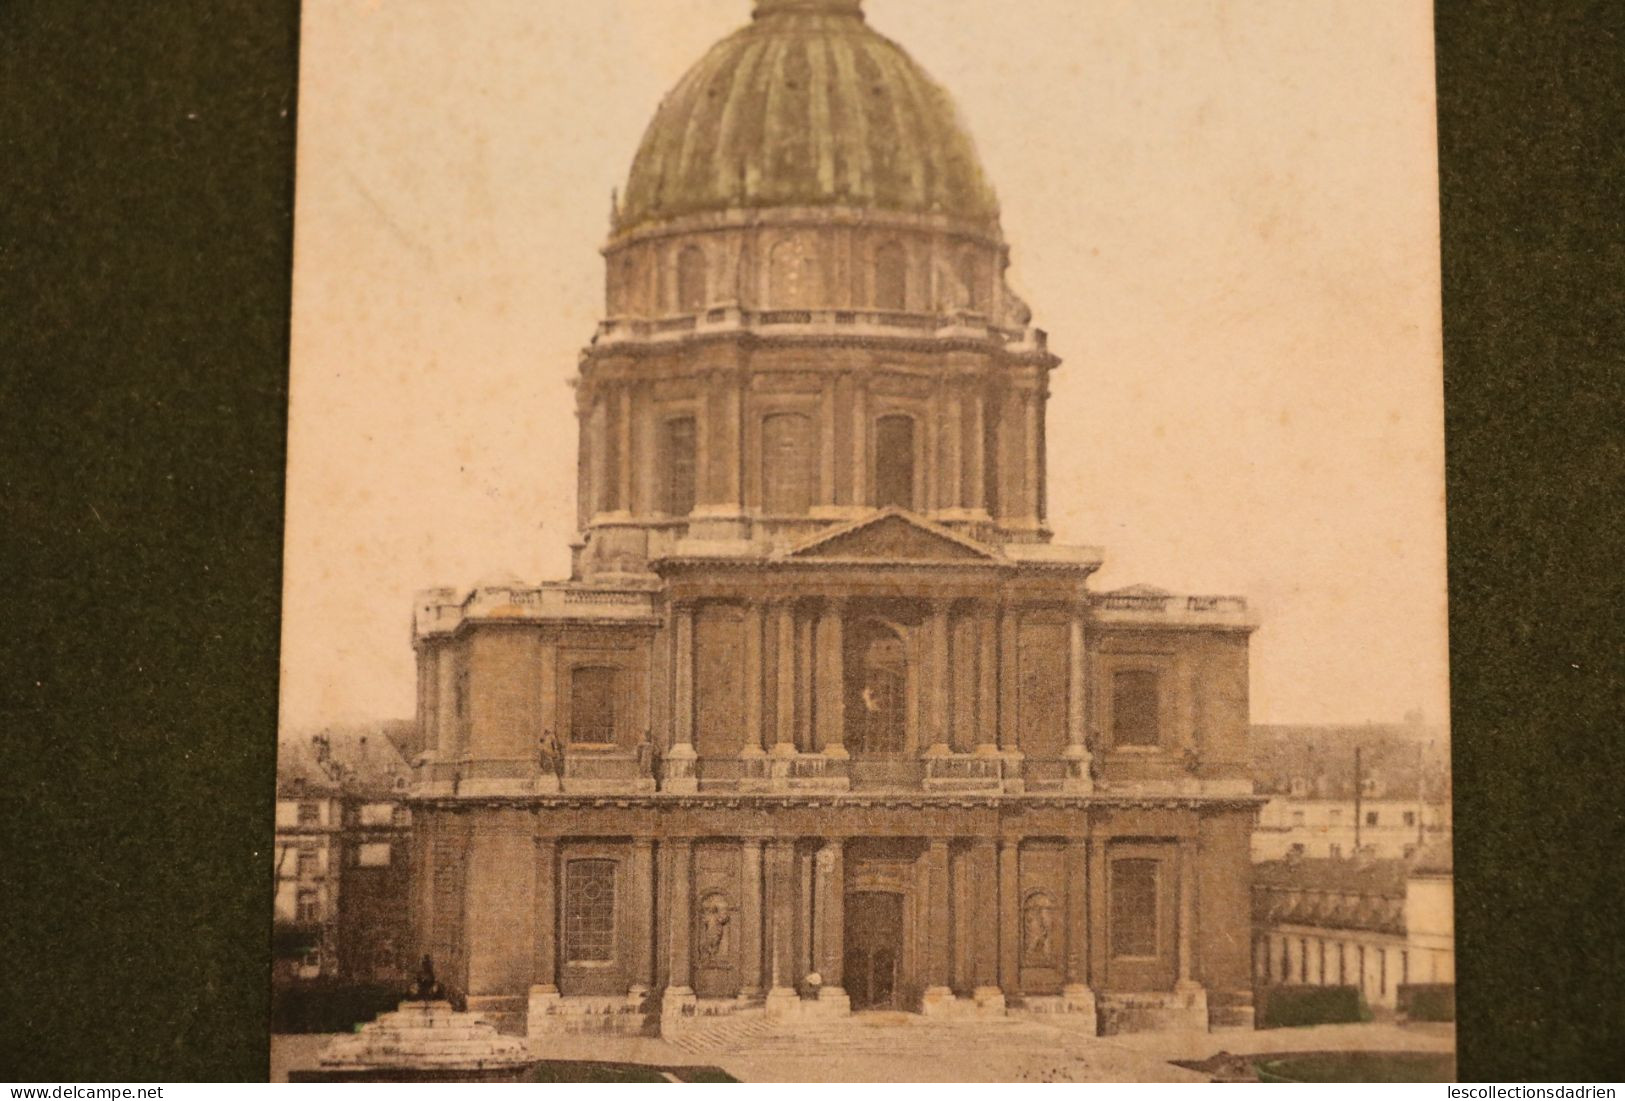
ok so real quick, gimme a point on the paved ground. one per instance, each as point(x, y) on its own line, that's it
point(881, 1047)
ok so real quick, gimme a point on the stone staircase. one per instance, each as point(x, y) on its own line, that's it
point(901, 1034)
point(724, 1034)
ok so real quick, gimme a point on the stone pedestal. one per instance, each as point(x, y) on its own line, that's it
point(938, 1001)
point(782, 1001)
point(676, 1003)
point(425, 1036)
point(988, 1000)
point(677, 775)
point(833, 1002)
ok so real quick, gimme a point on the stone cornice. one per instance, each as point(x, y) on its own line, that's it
point(845, 800)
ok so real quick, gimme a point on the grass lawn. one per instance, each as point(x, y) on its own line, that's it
point(562, 1071)
point(1357, 1066)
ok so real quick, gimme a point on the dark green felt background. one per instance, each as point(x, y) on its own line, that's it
point(145, 238)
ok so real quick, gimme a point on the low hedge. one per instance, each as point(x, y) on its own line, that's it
point(1297, 1006)
point(325, 1005)
point(1427, 1001)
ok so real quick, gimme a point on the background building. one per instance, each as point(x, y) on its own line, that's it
point(342, 903)
point(1320, 807)
point(823, 719)
point(1374, 924)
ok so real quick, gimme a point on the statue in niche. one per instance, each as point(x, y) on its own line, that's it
point(716, 914)
point(1038, 930)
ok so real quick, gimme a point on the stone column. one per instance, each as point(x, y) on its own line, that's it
point(1010, 699)
point(1031, 462)
point(624, 450)
point(826, 452)
point(953, 493)
point(860, 441)
point(1010, 919)
point(752, 702)
point(641, 903)
point(984, 870)
point(939, 674)
point(987, 680)
point(978, 444)
point(938, 996)
point(750, 919)
point(785, 743)
point(1076, 993)
point(598, 458)
point(1077, 750)
point(679, 765)
point(1097, 913)
point(781, 888)
point(1188, 865)
point(831, 916)
point(544, 962)
point(830, 678)
point(733, 453)
point(679, 994)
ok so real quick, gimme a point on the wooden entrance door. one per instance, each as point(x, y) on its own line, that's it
point(874, 949)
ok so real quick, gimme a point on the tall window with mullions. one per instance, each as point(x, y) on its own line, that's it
point(589, 911)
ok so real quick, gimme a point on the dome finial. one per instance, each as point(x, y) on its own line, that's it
point(812, 7)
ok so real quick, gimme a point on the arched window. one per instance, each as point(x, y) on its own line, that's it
point(788, 464)
point(594, 693)
point(877, 691)
point(891, 277)
point(691, 289)
point(894, 461)
point(1135, 718)
point(677, 460)
point(793, 274)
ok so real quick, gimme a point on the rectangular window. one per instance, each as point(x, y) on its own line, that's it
point(677, 456)
point(593, 693)
point(308, 860)
point(374, 855)
point(377, 814)
point(1134, 908)
point(1410, 818)
point(1334, 851)
point(589, 911)
point(1135, 707)
point(1371, 818)
point(310, 814)
point(309, 907)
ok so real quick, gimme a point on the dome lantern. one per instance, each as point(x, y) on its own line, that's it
point(816, 7)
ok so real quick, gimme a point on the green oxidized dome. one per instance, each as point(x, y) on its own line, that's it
point(806, 106)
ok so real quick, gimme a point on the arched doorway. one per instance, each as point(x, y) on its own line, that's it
point(877, 691)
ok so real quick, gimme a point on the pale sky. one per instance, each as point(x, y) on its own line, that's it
point(1223, 211)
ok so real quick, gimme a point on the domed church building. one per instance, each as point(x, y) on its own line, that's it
point(823, 720)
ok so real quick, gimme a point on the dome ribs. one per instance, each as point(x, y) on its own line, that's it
point(807, 107)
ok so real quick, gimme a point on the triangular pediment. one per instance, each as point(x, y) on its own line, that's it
point(893, 535)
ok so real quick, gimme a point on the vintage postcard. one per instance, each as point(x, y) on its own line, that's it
point(865, 540)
